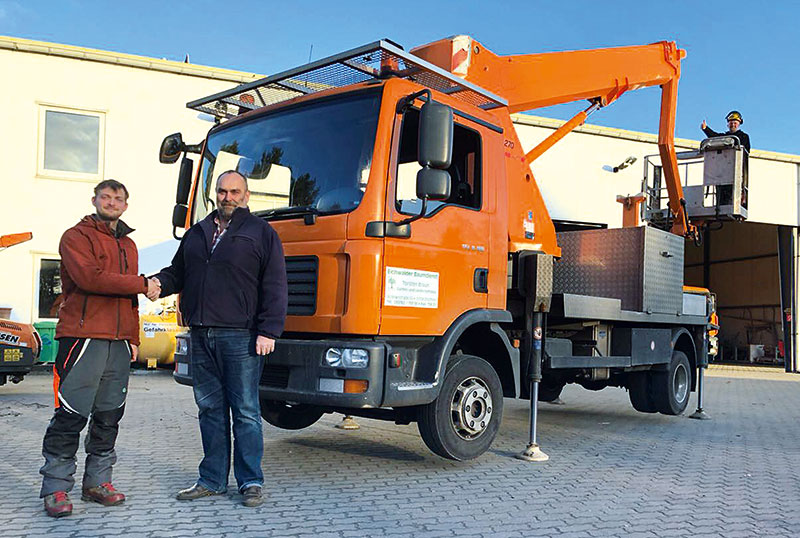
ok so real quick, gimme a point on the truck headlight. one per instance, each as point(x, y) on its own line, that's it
point(333, 357)
point(346, 357)
point(355, 358)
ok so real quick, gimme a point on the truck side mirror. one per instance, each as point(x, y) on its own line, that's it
point(182, 195)
point(435, 146)
point(171, 148)
point(184, 182)
point(433, 184)
point(179, 217)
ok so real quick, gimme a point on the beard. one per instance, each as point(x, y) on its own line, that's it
point(226, 211)
point(102, 215)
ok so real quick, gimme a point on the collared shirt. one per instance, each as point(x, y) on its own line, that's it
point(218, 233)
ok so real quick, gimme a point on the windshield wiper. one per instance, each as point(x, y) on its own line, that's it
point(309, 212)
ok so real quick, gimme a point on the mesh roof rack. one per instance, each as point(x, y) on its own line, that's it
point(379, 60)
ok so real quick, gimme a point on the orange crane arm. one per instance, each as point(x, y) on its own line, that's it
point(14, 239)
point(530, 81)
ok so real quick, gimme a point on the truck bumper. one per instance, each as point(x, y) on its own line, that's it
point(16, 360)
point(297, 372)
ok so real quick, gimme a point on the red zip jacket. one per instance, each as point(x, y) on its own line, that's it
point(99, 282)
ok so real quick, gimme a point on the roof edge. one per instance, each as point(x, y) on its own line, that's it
point(127, 60)
point(550, 123)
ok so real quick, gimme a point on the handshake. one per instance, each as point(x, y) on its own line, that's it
point(153, 288)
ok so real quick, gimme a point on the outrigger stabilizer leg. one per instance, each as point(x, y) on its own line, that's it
point(534, 350)
point(348, 423)
point(699, 413)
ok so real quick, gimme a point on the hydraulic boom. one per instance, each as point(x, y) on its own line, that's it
point(531, 81)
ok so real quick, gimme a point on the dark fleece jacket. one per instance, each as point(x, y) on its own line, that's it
point(241, 284)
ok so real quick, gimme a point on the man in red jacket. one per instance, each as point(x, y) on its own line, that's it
point(98, 336)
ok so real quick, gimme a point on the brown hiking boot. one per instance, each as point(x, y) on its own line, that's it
point(195, 492)
point(252, 496)
point(104, 494)
point(58, 504)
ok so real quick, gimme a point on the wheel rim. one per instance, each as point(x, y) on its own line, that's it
point(680, 383)
point(471, 408)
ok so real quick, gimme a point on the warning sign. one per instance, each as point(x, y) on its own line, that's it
point(151, 328)
point(411, 288)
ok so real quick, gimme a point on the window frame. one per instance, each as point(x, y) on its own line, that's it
point(47, 173)
point(38, 258)
point(479, 169)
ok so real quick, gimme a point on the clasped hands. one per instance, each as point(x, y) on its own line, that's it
point(264, 344)
point(153, 288)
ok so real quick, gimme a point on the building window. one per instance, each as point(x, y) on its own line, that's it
point(49, 288)
point(71, 143)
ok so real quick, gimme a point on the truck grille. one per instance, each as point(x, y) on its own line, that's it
point(301, 273)
point(275, 376)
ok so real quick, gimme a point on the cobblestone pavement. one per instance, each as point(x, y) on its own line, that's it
point(612, 472)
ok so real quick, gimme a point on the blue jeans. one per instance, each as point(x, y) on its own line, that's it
point(225, 376)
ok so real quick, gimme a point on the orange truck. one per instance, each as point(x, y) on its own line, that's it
point(427, 281)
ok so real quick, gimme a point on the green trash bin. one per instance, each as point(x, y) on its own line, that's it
point(47, 332)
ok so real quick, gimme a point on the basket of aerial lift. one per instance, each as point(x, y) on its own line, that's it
point(721, 193)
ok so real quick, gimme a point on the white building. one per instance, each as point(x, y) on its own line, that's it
point(75, 116)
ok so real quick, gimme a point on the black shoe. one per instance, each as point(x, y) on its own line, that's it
point(195, 492)
point(252, 496)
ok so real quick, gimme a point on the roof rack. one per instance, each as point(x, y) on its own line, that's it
point(379, 60)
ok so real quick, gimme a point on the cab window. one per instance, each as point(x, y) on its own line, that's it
point(465, 168)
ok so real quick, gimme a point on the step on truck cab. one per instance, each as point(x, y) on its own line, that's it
point(427, 281)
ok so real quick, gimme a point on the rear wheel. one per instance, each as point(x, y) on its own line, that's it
point(639, 392)
point(289, 417)
point(671, 388)
point(463, 421)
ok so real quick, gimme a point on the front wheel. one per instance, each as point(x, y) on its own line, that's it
point(289, 417)
point(463, 421)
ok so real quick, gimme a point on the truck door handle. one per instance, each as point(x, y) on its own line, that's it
point(480, 282)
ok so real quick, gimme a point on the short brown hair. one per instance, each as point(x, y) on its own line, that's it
point(112, 184)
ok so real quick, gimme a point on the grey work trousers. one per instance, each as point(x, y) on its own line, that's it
point(90, 385)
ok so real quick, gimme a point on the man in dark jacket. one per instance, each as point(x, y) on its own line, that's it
point(98, 335)
point(231, 274)
point(735, 120)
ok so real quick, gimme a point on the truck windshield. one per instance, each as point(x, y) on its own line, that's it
point(312, 158)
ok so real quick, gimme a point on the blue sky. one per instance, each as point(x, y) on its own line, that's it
point(741, 55)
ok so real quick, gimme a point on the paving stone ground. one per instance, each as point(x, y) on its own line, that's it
point(612, 472)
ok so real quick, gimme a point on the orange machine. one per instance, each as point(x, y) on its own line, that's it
point(20, 344)
point(426, 279)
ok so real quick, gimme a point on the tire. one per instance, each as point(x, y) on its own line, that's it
point(549, 392)
point(463, 421)
point(639, 392)
point(289, 417)
point(671, 388)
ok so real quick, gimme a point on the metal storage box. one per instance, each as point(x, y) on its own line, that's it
point(642, 267)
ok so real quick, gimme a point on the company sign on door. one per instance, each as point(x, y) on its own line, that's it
point(411, 288)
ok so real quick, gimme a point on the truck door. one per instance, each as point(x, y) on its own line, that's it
point(441, 270)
